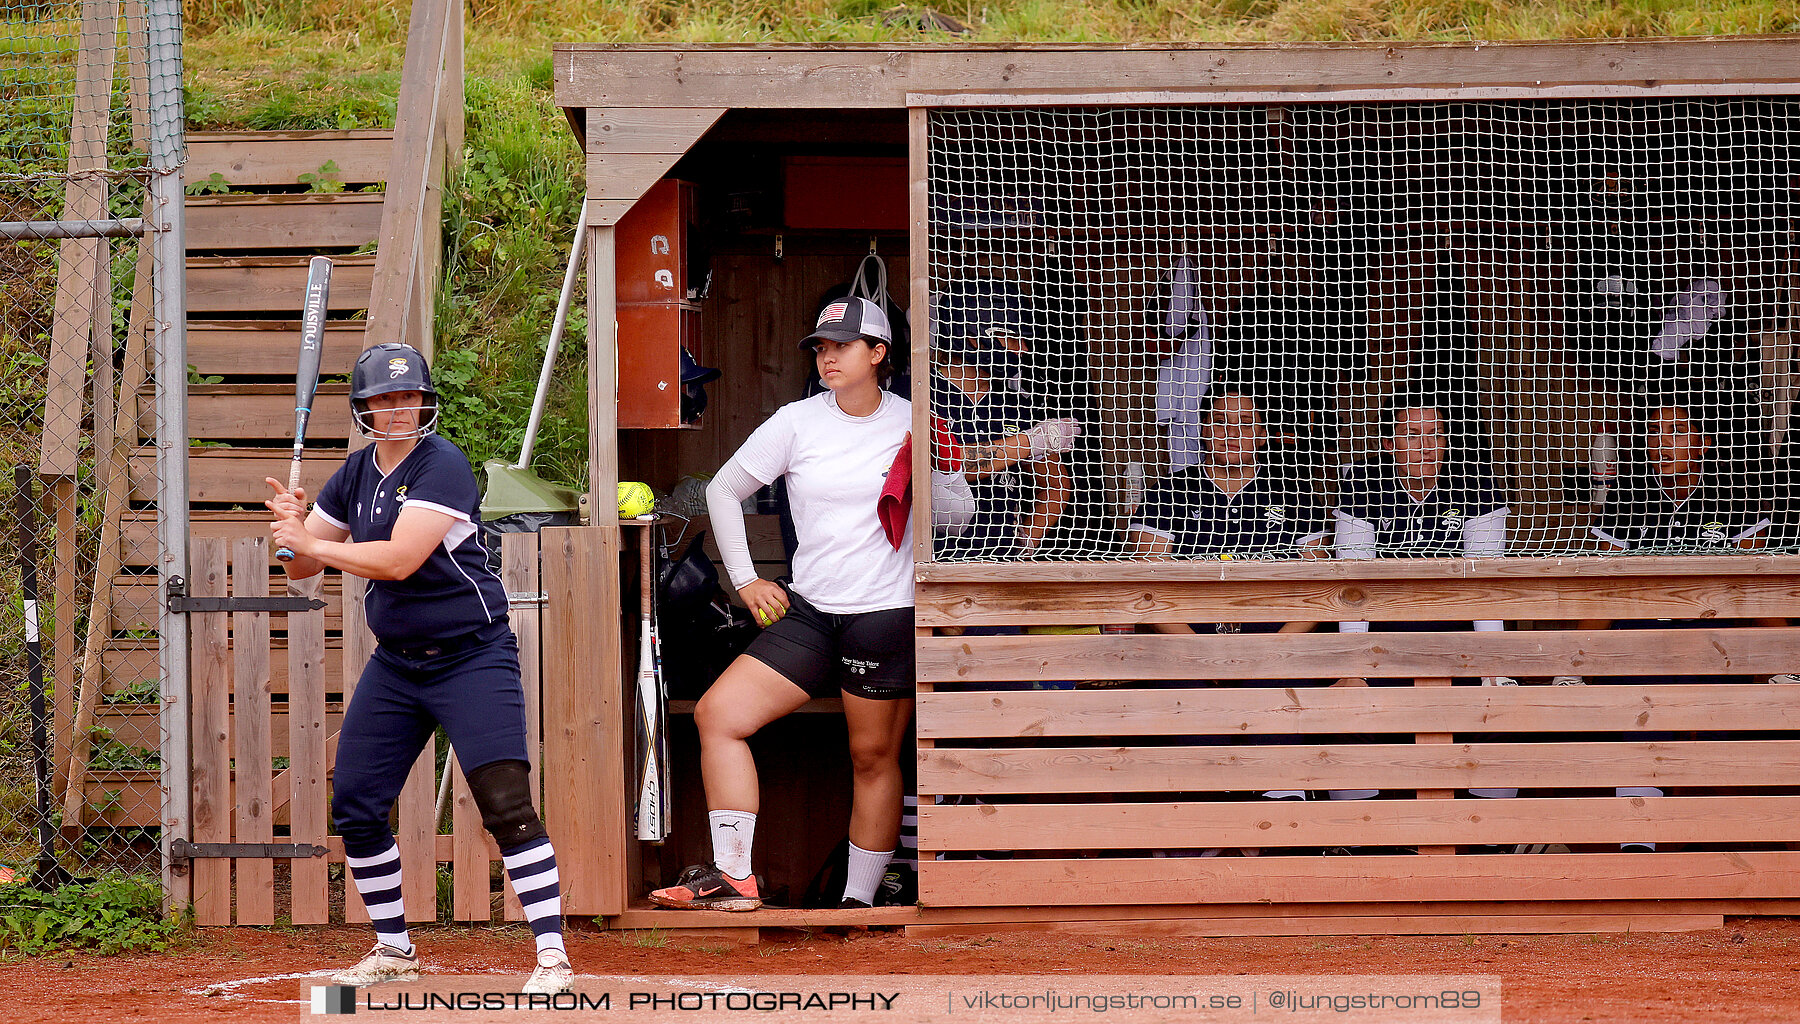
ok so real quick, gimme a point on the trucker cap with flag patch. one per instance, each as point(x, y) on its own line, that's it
point(849, 319)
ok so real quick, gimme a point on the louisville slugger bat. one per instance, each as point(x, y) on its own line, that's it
point(664, 773)
point(650, 782)
point(306, 375)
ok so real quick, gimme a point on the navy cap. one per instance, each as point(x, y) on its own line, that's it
point(849, 319)
point(693, 373)
point(978, 309)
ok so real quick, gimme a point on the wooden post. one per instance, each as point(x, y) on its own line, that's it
point(585, 717)
point(84, 198)
point(62, 493)
point(919, 318)
point(253, 744)
point(307, 763)
point(211, 773)
point(1434, 794)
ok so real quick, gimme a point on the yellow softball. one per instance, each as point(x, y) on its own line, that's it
point(635, 499)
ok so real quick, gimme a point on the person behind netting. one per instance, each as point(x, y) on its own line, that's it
point(1007, 454)
point(1232, 505)
point(842, 627)
point(1417, 500)
point(1683, 496)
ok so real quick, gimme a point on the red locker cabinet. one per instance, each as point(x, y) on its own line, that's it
point(659, 308)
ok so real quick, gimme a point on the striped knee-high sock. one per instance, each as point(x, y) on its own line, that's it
point(532, 868)
point(378, 882)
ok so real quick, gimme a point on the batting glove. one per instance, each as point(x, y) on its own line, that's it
point(1053, 437)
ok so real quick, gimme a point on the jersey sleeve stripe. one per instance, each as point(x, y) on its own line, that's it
point(453, 513)
point(328, 517)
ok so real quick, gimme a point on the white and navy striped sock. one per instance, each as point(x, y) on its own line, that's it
point(378, 882)
point(532, 868)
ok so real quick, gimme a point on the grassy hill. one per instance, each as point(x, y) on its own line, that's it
point(293, 64)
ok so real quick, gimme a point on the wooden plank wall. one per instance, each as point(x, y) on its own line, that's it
point(266, 719)
point(1147, 782)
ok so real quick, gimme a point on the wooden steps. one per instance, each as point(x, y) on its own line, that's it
point(303, 221)
point(293, 195)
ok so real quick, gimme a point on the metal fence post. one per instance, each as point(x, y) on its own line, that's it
point(163, 31)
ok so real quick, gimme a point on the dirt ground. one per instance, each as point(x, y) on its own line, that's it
point(1748, 971)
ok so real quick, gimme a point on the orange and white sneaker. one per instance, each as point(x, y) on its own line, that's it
point(705, 887)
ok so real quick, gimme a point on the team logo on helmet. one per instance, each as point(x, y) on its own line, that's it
point(397, 367)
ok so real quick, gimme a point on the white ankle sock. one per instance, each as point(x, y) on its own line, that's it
point(866, 869)
point(732, 834)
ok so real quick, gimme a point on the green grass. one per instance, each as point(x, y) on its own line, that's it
point(297, 64)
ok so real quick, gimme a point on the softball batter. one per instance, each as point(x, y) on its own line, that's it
point(402, 513)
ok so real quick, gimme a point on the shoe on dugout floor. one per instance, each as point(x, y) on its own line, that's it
point(852, 903)
point(1540, 848)
point(705, 887)
point(552, 977)
point(384, 963)
point(1568, 681)
point(1789, 678)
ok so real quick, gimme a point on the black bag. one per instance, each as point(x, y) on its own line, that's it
point(702, 632)
point(689, 582)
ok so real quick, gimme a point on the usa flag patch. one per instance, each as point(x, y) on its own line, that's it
point(835, 311)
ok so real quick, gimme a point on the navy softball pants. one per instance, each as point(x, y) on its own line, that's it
point(473, 692)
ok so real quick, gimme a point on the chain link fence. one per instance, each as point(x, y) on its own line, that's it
point(90, 133)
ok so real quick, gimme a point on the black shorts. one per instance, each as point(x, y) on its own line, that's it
point(866, 655)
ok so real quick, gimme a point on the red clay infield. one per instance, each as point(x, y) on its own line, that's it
point(1748, 971)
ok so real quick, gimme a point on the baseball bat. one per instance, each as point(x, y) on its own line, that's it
point(664, 774)
point(650, 783)
point(306, 375)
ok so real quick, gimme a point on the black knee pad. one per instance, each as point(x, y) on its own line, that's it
point(502, 789)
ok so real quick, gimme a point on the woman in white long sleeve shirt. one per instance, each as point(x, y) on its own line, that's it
point(842, 627)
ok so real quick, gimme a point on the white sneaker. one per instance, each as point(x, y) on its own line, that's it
point(1789, 678)
point(552, 977)
point(1568, 681)
point(1499, 681)
point(384, 963)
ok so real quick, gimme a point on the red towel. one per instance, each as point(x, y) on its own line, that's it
point(895, 503)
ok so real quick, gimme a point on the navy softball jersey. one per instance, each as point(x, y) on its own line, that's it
point(1408, 527)
point(453, 593)
point(1642, 515)
point(1274, 514)
point(1003, 499)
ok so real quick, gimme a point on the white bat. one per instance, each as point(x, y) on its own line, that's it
point(652, 825)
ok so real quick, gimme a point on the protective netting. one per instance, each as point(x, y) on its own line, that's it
point(79, 150)
point(1365, 329)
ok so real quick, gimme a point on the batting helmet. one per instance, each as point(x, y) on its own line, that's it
point(391, 366)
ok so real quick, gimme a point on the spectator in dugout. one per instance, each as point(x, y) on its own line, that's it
point(1682, 497)
point(994, 447)
point(1231, 505)
point(1418, 500)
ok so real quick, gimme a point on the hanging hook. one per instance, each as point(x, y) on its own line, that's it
point(872, 246)
point(779, 256)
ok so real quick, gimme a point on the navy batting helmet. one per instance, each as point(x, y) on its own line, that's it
point(391, 366)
